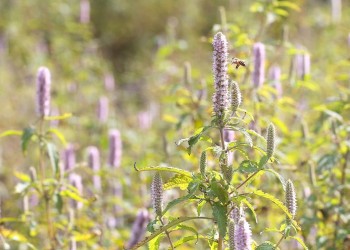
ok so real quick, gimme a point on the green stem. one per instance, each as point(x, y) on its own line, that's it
point(166, 227)
point(167, 234)
point(45, 192)
point(246, 180)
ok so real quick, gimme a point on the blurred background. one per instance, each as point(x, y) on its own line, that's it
point(144, 67)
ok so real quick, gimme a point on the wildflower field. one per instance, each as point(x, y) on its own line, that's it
point(148, 124)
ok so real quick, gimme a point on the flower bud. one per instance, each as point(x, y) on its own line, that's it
point(43, 91)
point(115, 148)
point(236, 96)
point(203, 163)
point(291, 201)
point(231, 235)
point(270, 141)
point(157, 194)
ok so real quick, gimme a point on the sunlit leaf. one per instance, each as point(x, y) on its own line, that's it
point(25, 139)
point(167, 169)
point(180, 181)
point(11, 132)
point(59, 135)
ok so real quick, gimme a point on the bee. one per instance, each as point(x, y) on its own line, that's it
point(238, 62)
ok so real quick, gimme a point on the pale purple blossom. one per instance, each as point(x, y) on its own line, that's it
point(109, 82)
point(76, 181)
point(259, 65)
point(43, 91)
point(138, 228)
point(84, 11)
point(242, 235)
point(102, 110)
point(94, 164)
point(115, 148)
point(69, 158)
point(275, 78)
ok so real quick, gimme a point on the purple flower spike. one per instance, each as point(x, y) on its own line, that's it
point(139, 228)
point(102, 111)
point(69, 158)
point(242, 235)
point(275, 77)
point(94, 164)
point(76, 181)
point(84, 11)
point(115, 148)
point(259, 65)
point(303, 65)
point(109, 82)
point(220, 54)
point(43, 92)
point(145, 120)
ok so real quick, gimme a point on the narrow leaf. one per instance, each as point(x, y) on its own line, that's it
point(167, 169)
point(219, 213)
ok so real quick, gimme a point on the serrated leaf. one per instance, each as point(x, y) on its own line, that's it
point(188, 228)
point(219, 191)
point(300, 241)
point(186, 239)
point(248, 166)
point(266, 246)
point(288, 4)
point(179, 180)
point(25, 139)
point(167, 169)
point(219, 213)
point(192, 189)
point(59, 135)
point(263, 161)
point(250, 206)
point(155, 242)
point(278, 203)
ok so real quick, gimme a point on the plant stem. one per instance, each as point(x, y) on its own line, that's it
point(220, 243)
point(45, 192)
point(220, 240)
point(246, 180)
point(167, 234)
point(279, 242)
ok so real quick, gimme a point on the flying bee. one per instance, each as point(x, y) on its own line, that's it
point(238, 62)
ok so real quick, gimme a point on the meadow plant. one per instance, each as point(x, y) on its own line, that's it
point(220, 190)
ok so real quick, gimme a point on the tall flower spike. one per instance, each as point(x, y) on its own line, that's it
point(237, 213)
point(270, 149)
point(76, 181)
point(69, 158)
point(259, 65)
point(102, 110)
point(242, 235)
point(43, 91)
point(157, 194)
point(203, 163)
point(291, 201)
point(236, 97)
point(231, 235)
point(94, 164)
point(275, 77)
point(220, 54)
point(138, 228)
point(84, 11)
point(115, 148)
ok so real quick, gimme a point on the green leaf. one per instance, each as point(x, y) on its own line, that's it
point(195, 138)
point(288, 4)
point(73, 195)
point(57, 199)
point(219, 213)
point(266, 246)
point(200, 207)
point(179, 180)
point(11, 132)
point(193, 187)
point(166, 227)
point(263, 161)
point(150, 226)
point(25, 139)
point(248, 166)
point(155, 243)
point(280, 178)
point(250, 206)
point(188, 228)
point(59, 135)
point(60, 117)
point(300, 241)
point(167, 169)
point(247, 137)
point(219, 191)
point(54, 157)
point(186, 239)
point(278, 203)
point(281, 12)
point(21, 176)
